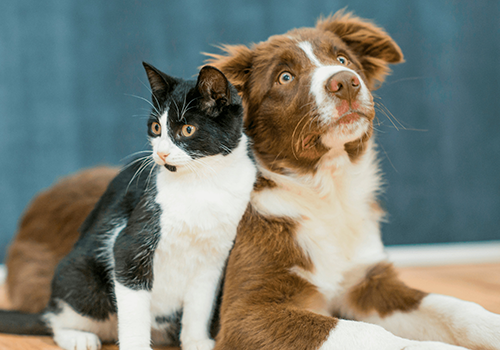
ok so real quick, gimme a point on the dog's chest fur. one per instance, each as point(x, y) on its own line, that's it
point(338, 228)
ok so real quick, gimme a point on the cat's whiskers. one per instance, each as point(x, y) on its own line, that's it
point(185, 108)
point(146, 162)
point(149, 175)
point(176, 107)
point(153, 96)
point(142, 98)
point(193, 170)
point(135, 161)
point(204, 165)
point(225, 148)
point(135, 153)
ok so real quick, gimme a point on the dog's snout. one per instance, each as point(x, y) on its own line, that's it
point(344, 85)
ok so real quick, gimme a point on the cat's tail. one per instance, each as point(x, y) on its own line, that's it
point(15, 322)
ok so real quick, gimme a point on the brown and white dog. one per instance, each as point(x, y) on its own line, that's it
point(309, 247)
point(47, 232)
point(308, 263)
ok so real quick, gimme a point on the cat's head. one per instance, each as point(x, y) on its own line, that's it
point(192, 119)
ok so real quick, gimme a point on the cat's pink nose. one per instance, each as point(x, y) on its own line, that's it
point(163, 156)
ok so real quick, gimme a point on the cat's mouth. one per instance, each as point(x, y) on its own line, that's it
point(171, 168)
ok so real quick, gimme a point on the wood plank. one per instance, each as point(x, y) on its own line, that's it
point(477, 283)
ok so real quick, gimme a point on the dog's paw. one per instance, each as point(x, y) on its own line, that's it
point(204, 344)
point(70, 339)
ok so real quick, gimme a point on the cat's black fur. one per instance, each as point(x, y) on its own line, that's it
point(83, 278)
point(222, 129)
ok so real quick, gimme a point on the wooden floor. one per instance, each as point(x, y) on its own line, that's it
point(477, 283)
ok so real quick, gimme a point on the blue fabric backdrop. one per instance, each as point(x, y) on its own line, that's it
point(68, 68)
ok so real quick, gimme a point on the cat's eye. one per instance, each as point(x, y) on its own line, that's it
point(156, 128)
point(343, 61)
point(188, 130)
point(285, 78)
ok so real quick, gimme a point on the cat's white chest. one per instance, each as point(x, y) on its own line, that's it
point(178, 262)
point(198, 225)
point(205, 203)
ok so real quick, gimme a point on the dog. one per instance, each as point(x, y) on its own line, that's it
point(308, 269)
point(47, 232)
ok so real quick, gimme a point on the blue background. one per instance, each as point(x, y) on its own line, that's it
point(68, 68)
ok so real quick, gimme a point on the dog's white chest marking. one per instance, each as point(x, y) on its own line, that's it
point(337, 229)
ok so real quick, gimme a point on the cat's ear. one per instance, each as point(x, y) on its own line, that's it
point(236, 63)
point(214, 89)
point(161, 84)
point(372, 45)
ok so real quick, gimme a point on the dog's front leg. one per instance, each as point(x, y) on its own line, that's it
point(361, 335)
point(381, 298)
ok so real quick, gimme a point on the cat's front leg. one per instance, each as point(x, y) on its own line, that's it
point(198, 307)
point(134, 318)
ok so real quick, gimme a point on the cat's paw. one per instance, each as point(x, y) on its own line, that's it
point(205, 344)
point(70, 339)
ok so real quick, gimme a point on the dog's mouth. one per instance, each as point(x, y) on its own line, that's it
point(350, 117)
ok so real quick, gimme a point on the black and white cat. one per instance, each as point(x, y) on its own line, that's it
point(153, 250)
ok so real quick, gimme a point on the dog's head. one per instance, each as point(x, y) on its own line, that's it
point(307, 93)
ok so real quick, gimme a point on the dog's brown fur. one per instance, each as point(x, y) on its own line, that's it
point(47, 232)
point(381, 291)
point(268, 112)
point(263, 302)
point(266, 305)
point(269, 299)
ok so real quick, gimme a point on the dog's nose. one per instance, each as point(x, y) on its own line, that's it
point(163, 155)
point(344, 85)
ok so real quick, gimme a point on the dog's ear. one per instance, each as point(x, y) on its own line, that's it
point(236, 63)
point(373, 46)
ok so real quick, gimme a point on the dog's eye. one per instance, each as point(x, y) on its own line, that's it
point(343, 61)
point(156, 128)
point(188, 130)
point(285, 78)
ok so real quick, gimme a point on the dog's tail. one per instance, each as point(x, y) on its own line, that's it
point(15, 322)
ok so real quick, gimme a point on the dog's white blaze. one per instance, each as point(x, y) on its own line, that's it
point(308, 50)
point(336, 223)
point(343, 230)
point(325, 103)
point(359, 336)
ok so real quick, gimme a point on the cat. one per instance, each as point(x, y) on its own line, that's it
point(151, 254)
